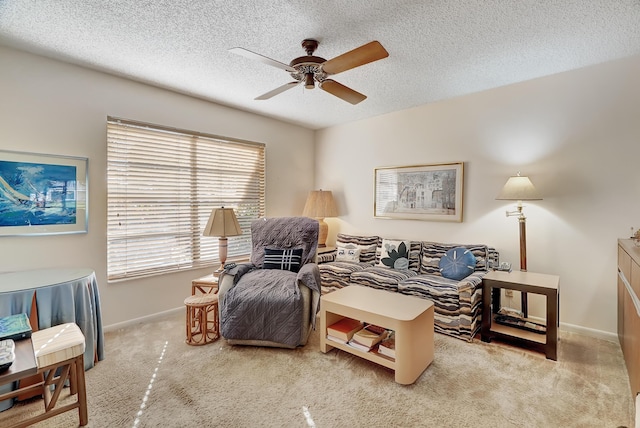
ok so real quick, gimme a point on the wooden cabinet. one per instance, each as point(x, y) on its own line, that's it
point(629, 309)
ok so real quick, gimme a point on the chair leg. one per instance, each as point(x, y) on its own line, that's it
point(73, 381)
point(202, 322)
point(46, 388)
point(57, 381)
point(189, 322)
point(81, 388)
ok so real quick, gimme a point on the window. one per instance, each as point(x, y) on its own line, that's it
point(162, 184)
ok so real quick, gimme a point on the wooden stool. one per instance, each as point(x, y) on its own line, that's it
point(59, 353)
point(202, 319)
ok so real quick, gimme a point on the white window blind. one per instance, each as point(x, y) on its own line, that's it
point(162, 184)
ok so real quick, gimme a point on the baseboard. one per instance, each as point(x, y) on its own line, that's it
point(599, 334)
point(611, 337)
point(638, 411)
point(572, 328)
point(140, 320)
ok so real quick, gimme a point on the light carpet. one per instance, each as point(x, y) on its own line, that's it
point(151, 378)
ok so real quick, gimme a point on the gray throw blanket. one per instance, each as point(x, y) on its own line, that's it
point(266, 304)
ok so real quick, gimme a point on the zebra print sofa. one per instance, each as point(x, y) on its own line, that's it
point(457, 304)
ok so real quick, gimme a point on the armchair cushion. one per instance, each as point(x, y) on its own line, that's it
point(263, 305)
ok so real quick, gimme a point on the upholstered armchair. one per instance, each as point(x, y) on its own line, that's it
point(273, 300)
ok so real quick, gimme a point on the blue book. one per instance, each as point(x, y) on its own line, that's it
point(15, 327)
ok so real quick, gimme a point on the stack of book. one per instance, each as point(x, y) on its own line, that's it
point(388, 347)
point(343, 330)
point(369, 336)
point(15, 327)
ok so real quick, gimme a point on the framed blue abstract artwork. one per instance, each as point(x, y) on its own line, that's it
point(42, 194)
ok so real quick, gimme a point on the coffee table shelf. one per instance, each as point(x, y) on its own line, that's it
point(411, 318)
point(371, 355)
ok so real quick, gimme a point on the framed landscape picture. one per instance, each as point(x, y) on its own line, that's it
point(42, 194)
point(421, 192)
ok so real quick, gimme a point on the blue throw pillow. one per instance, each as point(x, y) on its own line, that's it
point(458, 263)
point(284, 259)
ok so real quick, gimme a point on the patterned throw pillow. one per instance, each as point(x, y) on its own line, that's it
point(457, 263)
point(284, 259)
point(394, 254)
point(348, 254)
point(366, 244)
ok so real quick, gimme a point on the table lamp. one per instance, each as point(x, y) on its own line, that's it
point(221, 224)
point(320, 204)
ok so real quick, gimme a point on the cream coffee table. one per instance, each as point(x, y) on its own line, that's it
point(411, 318)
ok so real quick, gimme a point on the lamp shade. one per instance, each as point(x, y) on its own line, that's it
point(519, 188)
point(320, 204)
point(222, 223)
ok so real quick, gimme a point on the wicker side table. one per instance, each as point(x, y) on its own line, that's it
point(202, 319)
point(206, 284)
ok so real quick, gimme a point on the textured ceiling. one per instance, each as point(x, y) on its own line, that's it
point(438, 49)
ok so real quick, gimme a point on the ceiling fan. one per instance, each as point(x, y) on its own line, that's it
point(310, 69)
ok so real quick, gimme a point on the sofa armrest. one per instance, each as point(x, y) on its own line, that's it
point(329, 256)
point(225, 283)
point(471, 282)
point(227, 279)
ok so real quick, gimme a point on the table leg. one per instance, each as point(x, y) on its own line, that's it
point(551, 347)
point(487, 313)
point(31, 380)
point(495, 299)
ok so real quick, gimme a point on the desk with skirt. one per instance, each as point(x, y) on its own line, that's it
point(51, 297)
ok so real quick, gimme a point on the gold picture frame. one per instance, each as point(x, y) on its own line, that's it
point(420, 192)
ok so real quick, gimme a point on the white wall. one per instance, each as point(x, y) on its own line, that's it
point(51, 107)
point(576, 135)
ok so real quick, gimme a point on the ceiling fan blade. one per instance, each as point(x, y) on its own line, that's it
point(277, 90)
point(365, 54)
point(252, 55)
point(342, 92)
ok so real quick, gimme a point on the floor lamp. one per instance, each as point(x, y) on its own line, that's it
point(221, 224)
point(320, 204)
point(519, 188)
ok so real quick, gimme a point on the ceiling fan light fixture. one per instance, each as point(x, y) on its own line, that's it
point(308, 81)
point(309, 69)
